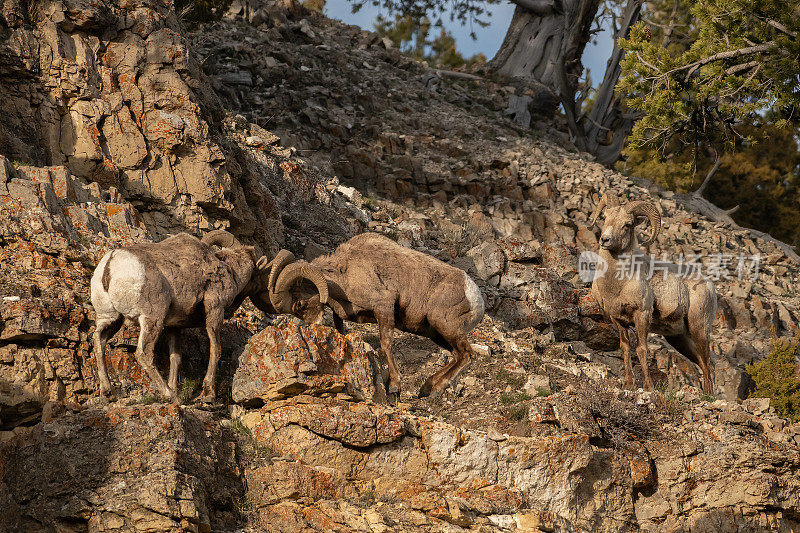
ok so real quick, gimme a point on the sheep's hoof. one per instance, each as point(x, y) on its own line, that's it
point(393, 397)
point(425, 390)
point(208, 398)
point(108, 394)
point(435, 394)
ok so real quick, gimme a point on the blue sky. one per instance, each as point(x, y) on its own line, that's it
point(488, 38)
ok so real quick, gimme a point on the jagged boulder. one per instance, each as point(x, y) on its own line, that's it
point(292, 358)
point(54, 227)
point(111, 91)
point(121, 468)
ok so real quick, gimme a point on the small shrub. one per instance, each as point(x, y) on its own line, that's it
point(518, 412)
point(619, 417)
point(188, 387)
point(541, 392)
point(149, 398)
point(252, 449)
point(240, 429)
point(515, 381)
point(665, 390)
point(775, 378)
point(201, 10)
point(460, 237)
point(707, 397)
point(366, 498)
point(316, 6)
point(508, 399)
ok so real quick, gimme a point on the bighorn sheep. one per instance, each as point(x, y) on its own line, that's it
point(373, 279)
point(679, 308)
point(178, 283)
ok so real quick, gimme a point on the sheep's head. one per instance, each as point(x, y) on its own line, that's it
point(271, 282)
point(229, 246)
point(618, 230)
point(288, 278)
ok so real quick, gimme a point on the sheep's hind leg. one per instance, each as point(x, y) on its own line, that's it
point(174, 360)
point(214, 319)
point(462, 353)
point(150, 329)
point(105, 328)
point(704, 360)
point(339, 324)
point(684, 344)
point(642, 321)
point(385, 318)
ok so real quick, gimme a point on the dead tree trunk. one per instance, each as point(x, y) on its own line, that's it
point(544, 44)
point(694, 201)
point(607, 125)
point(544, 35)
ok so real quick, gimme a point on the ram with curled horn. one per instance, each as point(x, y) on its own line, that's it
point(178, 283)
point(662, 301)
point(371, 278)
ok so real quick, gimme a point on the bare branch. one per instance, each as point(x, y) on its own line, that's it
point(728, 54)
point(781, 28)
point(539, 7)
point(670, 28)
point(742, 67)
point(458, 75)
point(717, 163)
point(645, 63)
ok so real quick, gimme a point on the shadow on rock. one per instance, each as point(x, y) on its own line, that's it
point(151, 467)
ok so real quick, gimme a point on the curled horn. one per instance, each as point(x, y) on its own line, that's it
point(220, 237)
point(647, 209)
point(281, 298)
point(262, 263)
point(606, 200)
point(278, 263)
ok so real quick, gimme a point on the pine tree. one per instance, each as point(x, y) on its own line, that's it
point(743, 57)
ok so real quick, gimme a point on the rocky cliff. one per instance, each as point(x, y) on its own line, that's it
point(121, 126)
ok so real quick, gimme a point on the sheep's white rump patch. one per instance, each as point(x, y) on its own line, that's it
point(124, 287)
point(475, 299)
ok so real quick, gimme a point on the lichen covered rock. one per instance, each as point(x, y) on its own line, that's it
point(292, 358)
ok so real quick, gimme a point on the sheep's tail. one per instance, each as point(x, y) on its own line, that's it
point(106, 279)
point(475, 299)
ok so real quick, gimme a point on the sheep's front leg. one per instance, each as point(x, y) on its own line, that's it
point(339, 323)
point(385, 318)
point(642, 322)
point(625, 344)
point(214, 319)
point(174, 360)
